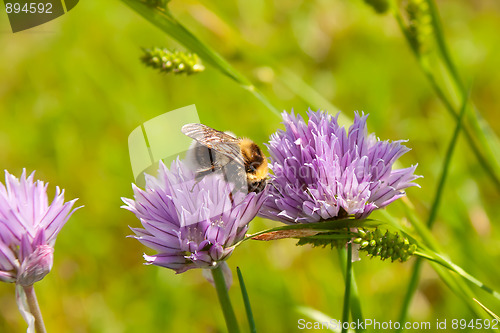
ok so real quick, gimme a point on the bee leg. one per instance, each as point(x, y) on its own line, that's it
point(202, 173)
point(231, 198)
point(207, 171)
point(198, 179)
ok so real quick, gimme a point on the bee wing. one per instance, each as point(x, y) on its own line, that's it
point(216, 140)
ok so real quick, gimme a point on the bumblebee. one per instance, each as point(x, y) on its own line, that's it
point(240, 159)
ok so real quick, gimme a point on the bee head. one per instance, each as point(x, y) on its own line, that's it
point(257, 186)
point(252, 156)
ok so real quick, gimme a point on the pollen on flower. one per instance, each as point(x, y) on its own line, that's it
point(194, 234)
point(218, 223)
point(351, 204)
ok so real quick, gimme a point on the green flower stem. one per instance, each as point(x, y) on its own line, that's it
point(356, 312)
point(35, 309)
point(163, 19)
point(347, 294)
point(225, 302)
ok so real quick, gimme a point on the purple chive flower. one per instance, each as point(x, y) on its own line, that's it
point(192, 223)
point(322, 172)
point(28, 228)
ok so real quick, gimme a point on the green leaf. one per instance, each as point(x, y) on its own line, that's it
point(324, 226)
point(246, 301)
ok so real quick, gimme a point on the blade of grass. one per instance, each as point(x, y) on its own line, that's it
point(436, 257)
point(484, 161)
point(446, 166)
point(246, 301)
point(455, 282)
point(412, 285)
point(460, 289)
point(443, 49)
point(483, 150)
point(163, 19)
point(487, 310)
point(287, 77)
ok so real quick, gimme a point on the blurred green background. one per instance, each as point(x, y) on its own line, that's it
point(73, 89)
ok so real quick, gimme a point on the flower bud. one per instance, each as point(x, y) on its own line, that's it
point(36, 266)
point(419, 25)
point(176, 62)
point(388, 245)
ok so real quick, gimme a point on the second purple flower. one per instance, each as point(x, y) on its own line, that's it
point(321, 171)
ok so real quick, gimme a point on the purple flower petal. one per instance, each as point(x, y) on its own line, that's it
point(321, 170)
point(191, 223)
point(30, 224)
